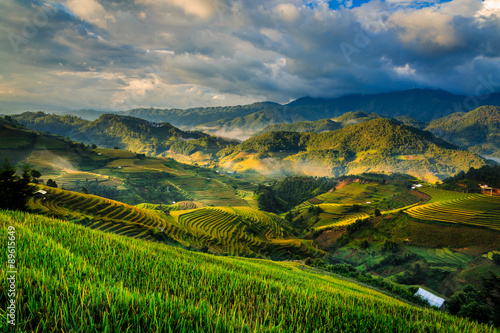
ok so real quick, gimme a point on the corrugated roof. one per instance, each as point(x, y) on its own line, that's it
point(430, 297)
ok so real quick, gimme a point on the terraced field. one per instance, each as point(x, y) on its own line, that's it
point(182, 205)
point(98, 213)
point(342, 221)
point(452, 207)
point(442, 258)
point(241, 231)
point(236, 231)
point(440, 195)
point(399, 201)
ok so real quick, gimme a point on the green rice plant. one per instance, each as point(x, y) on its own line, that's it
point(72, 278)
point(452, 207)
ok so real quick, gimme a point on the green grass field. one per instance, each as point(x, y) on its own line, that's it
point(443, 258)
point(72, 278)
point(453, 207)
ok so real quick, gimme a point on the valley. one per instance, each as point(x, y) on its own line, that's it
point(363, 200)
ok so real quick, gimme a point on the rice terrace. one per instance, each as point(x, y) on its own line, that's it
point(236, 166)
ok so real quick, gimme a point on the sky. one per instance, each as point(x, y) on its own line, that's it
point(124, 54)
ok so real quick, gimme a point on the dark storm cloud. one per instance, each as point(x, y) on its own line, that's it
point(174, 53)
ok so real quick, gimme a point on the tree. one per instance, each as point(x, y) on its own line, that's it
point(35, 174)
point(15, 191)
point(51, 183)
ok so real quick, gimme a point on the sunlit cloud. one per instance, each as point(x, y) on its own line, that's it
point(142, 53)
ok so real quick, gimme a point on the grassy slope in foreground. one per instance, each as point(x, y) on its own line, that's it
point(93, 281)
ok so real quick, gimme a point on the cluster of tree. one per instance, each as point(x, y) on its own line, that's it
point(470, 180)
point(291, 191)
point(477, 127)
point(378, 143)
point(395, 260)
point(422, 275)
point(208, 144)
point(348, 270)
point(481, 303)
point(275, 142)
point(15, 191)
point(110, 130)
point(379, 134)
point(317, 126)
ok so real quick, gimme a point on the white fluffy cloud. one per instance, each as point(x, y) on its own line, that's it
point(173, 53)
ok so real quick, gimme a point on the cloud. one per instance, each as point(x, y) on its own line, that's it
point(170, 53)
point(91, 11)
point(425, 27)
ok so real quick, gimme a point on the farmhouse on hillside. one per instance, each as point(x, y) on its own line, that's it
point(485, 189)
point(431, 298)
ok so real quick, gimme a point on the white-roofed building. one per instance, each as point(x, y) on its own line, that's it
point(431, 298)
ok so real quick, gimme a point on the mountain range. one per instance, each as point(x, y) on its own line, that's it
point(351, 143)
point(241, 121)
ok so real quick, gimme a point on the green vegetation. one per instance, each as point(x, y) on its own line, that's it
point(443, 257)
point(15, 191)
point(235, 231)
point(376, 145)
point(350, 118)
point(317, 126)
point(409, 121)
point(120, 175)
point(477, 130)
point(109, 283)
point(125, 132)
point(469, 181)
point(481, 304)
point(291, 191)
point(356, 226)
point(453, 207)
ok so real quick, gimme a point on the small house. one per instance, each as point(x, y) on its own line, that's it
point(485, 189)
point(431, 298)
point(40, 194)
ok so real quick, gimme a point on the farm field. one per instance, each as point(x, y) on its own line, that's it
point(452, 207)
point(112, 283)
point(119, 174)
point(98, 213)
point(442, 258)
point(235, 231)
point(356, 201)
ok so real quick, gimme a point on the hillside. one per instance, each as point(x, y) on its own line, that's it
point(317, 126)
point(421, 104)
point(469, 181)
point(477, 130)
point(241, 121)
point(109, 282)
point(377, 224)
point(118, 174)
point(234, 231)
point(198, 116)
point(124, 132)
point(376, 145)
